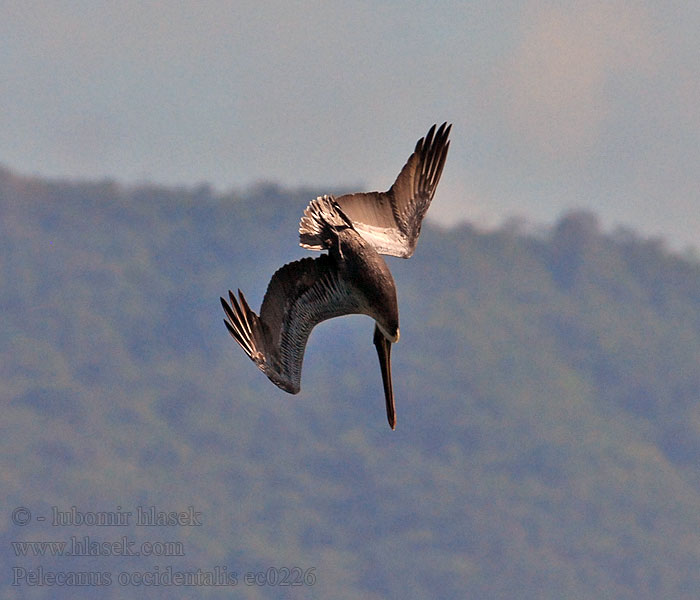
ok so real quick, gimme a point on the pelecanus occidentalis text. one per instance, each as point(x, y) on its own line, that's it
point(351, 279)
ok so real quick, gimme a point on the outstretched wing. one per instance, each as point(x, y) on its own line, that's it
point(391, 221)
point(300, 295)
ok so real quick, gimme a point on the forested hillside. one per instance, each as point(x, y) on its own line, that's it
point(547, 388)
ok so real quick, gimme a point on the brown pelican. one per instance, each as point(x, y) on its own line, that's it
point(351, 279)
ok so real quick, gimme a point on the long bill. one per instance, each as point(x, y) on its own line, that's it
point(384, 353)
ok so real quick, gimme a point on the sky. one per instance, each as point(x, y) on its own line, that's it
point(555, 105)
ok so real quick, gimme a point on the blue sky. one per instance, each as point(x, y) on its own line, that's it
point(555, 105)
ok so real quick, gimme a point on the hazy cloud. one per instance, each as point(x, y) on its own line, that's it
point(559, 81)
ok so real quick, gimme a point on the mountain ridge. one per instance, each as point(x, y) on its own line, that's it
point(547, 394)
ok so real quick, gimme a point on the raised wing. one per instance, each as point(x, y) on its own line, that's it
point(299, 296)
point(390, 221)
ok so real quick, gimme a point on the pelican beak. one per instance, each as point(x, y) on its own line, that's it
point(383, 346)
point(392, 338)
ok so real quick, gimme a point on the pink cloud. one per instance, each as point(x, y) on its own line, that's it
point(554, 84)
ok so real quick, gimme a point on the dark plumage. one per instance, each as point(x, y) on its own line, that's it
point(351, 279)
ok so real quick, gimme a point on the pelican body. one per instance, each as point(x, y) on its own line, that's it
point(352, 278)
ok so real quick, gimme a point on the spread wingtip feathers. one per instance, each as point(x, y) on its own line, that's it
point(241, 322)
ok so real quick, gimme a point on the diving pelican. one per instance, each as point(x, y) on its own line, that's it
point(352, 278)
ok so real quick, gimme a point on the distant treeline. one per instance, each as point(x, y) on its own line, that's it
point(548, 397)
